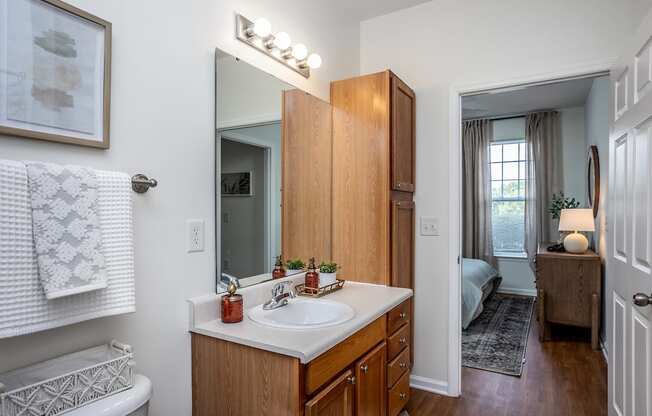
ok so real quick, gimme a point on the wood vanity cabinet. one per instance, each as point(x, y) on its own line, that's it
point(364, 375)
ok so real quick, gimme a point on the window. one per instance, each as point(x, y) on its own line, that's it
point(508, 162)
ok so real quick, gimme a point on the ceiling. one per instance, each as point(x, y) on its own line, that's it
point(526, 99)
point(366, 9)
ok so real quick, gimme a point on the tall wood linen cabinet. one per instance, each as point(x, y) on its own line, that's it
point(373, 184)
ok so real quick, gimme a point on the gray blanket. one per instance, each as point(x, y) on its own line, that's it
point(478, 279)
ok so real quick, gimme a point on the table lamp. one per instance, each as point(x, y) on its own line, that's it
point(575, 220)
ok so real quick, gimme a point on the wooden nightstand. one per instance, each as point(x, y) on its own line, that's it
point(569, 288)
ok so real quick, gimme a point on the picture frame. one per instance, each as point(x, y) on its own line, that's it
point(55, 73)
point(237, 184)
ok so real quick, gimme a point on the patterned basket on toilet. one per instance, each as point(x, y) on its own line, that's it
point(68, 382)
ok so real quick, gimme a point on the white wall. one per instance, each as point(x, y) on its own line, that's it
point(573, 138)
point(247, 95)
point(597, 133)
point(445, 42)
point(163, 124)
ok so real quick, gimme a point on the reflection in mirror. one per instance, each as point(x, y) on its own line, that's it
point(248, 162)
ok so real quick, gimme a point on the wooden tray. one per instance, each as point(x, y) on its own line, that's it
point(302, 290)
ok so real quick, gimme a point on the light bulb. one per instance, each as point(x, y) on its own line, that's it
point(282, 40)
point(314, 61)
point(262, 27)
point(299, 51)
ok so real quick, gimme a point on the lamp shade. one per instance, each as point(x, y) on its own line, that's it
point(578, 219)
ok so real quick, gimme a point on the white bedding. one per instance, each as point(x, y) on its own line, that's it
point(479, 280)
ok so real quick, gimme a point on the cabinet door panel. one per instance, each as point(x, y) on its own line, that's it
point(306, 176)
point(336, 399)
point(402, 243)
point(403, 136)
point(371, 387)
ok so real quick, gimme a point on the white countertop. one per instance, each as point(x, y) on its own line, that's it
point(369, 302)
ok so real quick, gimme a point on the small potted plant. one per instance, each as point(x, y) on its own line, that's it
point(327, 273)
point(559, 202)
point(294, 266)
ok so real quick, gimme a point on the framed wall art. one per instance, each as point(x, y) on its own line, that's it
point(55, 73)
point(237, 184)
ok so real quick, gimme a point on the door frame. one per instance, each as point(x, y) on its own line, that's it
point(457, 92)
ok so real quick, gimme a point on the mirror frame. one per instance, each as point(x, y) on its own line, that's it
point(593, 172)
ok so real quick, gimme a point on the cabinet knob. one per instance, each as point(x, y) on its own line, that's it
point(402, 365)
point(402, 340)
point(364, 368)
point(351, 379)
point(402, 315)
point(403, 396)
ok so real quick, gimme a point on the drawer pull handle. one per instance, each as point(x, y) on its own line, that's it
point(351, 379)
point(402, 340)
point(364, 368)
point(402, 365)
point(403, 396)
point(402, 315)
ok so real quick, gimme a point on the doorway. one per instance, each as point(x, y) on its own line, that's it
point(472, 92)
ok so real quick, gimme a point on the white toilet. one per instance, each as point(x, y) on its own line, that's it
point(132, 402)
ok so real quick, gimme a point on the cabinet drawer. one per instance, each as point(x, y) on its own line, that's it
point(397, 367)
point(398, 341)
point(398, 316)
point(398, 395)
point(332, 362)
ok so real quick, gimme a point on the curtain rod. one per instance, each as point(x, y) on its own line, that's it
point(506, 116)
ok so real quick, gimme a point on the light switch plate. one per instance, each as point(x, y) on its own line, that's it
point(195, 231)
point(429, 226)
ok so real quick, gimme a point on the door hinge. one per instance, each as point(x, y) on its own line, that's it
point(458, 259)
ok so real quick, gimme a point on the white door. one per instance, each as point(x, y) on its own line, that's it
point(629, 237)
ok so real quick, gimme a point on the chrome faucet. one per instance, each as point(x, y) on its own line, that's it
point(280, 294)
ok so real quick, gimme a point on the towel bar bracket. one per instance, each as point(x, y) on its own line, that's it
point(141, 183)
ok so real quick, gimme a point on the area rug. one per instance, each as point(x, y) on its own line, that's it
point(497, 339)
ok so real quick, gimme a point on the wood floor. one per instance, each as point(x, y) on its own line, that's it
point(561, 377)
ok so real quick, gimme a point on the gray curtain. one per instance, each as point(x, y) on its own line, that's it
point(476, 199)
point(544, 178)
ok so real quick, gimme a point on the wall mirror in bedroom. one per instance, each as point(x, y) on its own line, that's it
point(273, 158)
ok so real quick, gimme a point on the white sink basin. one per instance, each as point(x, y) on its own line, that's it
point(303, 313)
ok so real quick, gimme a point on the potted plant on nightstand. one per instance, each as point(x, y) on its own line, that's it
point(327, 273)
point(559, 202)
point(294, 266)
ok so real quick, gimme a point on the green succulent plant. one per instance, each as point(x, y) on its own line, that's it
point(559, 202)
point(296, 264)
point(327, 267)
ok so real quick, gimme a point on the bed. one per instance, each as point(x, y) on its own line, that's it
point(479, 281)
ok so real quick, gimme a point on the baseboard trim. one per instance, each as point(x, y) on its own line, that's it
point(517, 291)
point(429, 384)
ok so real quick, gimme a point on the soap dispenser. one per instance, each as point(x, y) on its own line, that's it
point(278, 271)
point(232, 307)
point(312, 275)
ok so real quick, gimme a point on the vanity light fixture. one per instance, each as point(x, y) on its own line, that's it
point(258, 34)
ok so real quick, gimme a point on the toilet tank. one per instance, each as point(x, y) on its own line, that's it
point(132, 402)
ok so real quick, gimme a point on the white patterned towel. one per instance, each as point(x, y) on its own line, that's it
point(24, 308)
point(66, 228)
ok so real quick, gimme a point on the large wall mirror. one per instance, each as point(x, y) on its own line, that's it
point(272, 173)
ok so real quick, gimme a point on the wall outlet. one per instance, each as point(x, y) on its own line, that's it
point(195, 231)
point(429, 226)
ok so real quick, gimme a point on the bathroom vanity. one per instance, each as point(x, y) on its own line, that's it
point(303, 178)
point(359, 367)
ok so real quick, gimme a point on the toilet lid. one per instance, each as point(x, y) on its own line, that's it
point(119, 404)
